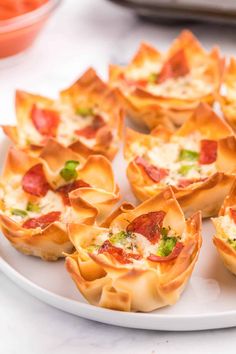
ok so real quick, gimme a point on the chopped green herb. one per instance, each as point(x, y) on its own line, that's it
point(69, 172)
point(33, 207)
point(188, 155)
point(28, 141)
point(232, 243)
point(186, 168)
point(166, 246)
point(84, 111)
point(73, 139)
point(165, 231)
point(19, 212)
point(120, 237)
point(152, 78)
point(2, 204)
point(92, 248)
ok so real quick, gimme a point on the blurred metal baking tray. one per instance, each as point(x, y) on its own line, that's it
point(183, 10)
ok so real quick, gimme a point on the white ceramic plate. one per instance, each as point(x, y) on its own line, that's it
point(208, 301)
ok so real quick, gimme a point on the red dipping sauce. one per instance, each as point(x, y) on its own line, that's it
point(20, 23)
point(13, 8)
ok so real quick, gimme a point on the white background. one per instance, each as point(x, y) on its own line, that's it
point(86, 33)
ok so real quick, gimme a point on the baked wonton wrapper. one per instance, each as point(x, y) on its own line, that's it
point(225, 225)
point(22, 201)
point(87, 117)
point(142, 285)
point(208, 191)
point(158, 88)
point(228, 100)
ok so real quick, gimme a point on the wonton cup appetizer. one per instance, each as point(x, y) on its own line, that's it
point(158, 88)
point(87, 118)
point(228, 101)
point(225, 224)
point(198, 161)
point(40, 195)
point(140, 260)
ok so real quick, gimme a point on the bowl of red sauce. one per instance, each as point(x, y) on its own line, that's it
point(20, 23)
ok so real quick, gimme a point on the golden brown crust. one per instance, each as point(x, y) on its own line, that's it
point(228, 100)
point(148, 109)
point(99, 197)
point(226, 251)
point(192, 197)
point(105, 282)
point(48, 244)
point(229, 201)
point(207, 123)
point(227, 254)
point(89, 90)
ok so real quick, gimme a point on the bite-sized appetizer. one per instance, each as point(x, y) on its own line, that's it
point(87, 118)
point(198, 161)
point(225, 225)
point(40, 195)
point(140, 260)
point(157, 88)
point(228, 99)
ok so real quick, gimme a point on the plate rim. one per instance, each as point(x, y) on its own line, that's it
point(150, 321)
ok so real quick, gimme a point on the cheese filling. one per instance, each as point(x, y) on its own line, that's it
point(70, 121)
point(226, 228)
point(16, 204)
point(135, 243)
point(180, 157)
point(193, 85)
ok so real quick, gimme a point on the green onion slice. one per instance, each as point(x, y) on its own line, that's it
point(184, 170)
point(152, 78)
point(166, 246)
point(232, 243)
point(84, 111)
point(19, 212)
point(33, 207)
point(188, 155)
point(119, 237)
point(92, 248)
point(69, 172)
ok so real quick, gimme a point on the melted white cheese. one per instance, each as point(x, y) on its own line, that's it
point(14, 197)
point(193, 85)
point(225, 226)
point(183, 87)
point(28, 134)
point(51, 202)
point(13, 194)
point(166, 155)
point(144, 246)
point(69, 123)
point(142, 72)
point(135, 243)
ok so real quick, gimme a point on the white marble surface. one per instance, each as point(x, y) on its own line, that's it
point(84, 33)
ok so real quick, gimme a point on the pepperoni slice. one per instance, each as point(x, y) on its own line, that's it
point(46, 121)
point(118, 253)
point(148, 225)
point(208, 152)
point(90, 131)
point(233, 214)
point(42, 221)
point(175, 67)
point(130, 82)
point(184, 182)
point(153, 172)
point(174, 254)
point(34, 181)
point(67, 188)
